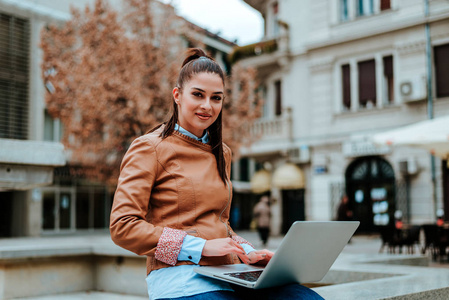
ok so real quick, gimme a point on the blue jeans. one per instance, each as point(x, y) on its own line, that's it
point(290, 291)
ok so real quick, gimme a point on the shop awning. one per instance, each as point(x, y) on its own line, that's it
point(288, 177)
point(432, 135)
point(261, 182)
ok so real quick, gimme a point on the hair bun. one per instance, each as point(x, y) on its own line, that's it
point(194, 53)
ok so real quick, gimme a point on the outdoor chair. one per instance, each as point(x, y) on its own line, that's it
point(409, 238)
point(436, 240)
point(442, 242)
point(389, 238)
point(430, 239)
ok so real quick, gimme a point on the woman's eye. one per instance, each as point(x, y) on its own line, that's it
point(197, 94)
point(218, 98)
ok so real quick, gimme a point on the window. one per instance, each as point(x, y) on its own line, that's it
point(367, 83)
point(385, 4)
point(441, 57)
point(388, 79)
point(57, 209)
point(83, 206)
point(344, 15)
point(72, 208)
point(65, 208)
point(52, 128)
point(346, 83)
point(278, 98)
point(362, 80)
point(364, 7)
point(244, 169)
point(14, 52)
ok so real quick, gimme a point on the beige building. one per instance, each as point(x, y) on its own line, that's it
point(333, 74)
point(38, 196)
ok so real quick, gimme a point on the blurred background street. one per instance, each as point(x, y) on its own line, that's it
point(335, 110)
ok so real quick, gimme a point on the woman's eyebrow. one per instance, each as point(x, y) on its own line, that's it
point(201, 90)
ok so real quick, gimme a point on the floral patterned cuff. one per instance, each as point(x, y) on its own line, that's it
point(169, 245)
point(241, 240)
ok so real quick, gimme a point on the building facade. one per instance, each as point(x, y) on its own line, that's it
point(333, 74)
point(39, 193)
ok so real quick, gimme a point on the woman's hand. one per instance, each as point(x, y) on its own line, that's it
point(221, 247)
point(260, 257)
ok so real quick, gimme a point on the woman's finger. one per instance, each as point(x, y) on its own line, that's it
point(244, 258)
point(237, 245)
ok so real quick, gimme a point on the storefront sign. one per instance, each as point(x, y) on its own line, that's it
point(363, 148)
point(320, 169)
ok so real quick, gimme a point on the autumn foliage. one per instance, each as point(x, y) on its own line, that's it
point(109, 77)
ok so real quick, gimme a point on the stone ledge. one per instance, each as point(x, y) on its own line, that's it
point(37, 248)
point(437, 294)
point(27, 164)
point(398, 277)
point(28, 152)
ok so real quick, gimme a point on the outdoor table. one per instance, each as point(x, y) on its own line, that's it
point(407, 235)
point(436, 239)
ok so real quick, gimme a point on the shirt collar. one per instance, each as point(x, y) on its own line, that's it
point(204, 139)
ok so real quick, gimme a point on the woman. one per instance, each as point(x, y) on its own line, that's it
point(174, 193)
point(262, 214)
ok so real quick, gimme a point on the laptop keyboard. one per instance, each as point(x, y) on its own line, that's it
point(248, 276)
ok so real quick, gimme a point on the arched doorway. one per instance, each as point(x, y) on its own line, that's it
point(370, 186)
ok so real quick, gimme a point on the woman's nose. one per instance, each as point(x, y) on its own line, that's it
point(206, 104)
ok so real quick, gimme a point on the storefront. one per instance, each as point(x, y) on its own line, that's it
point(371, 189)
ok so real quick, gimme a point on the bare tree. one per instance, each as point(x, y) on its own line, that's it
point(109, 78)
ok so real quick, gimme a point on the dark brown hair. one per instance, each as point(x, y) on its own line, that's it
point(197, 61)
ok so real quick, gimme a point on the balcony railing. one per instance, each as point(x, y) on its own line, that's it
point(279, 43)
point(247, 51)
point(279, 127)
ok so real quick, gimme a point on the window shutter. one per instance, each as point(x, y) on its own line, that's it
point(388, 66)
point(14, 57)
point(441, 56)
point(278, 99)
point(346, 82)
point(389, 78)
point(367, 82)
point(385, 4)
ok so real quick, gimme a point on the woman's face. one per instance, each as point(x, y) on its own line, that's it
point(199, 102)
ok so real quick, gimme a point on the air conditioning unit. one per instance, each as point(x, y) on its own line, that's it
point(299, 155)
point(413, 89)
point(408, 167)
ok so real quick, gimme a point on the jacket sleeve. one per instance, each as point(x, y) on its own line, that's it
point(227, 153)
point(238, 238)
point(128, 225)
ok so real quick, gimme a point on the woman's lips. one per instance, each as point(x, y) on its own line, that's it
point(204, 116)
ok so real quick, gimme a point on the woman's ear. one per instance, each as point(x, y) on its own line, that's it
point(176, 94)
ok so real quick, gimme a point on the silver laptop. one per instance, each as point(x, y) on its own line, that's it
point(305, 255)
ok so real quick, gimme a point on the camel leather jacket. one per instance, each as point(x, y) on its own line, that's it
point(170, 183)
